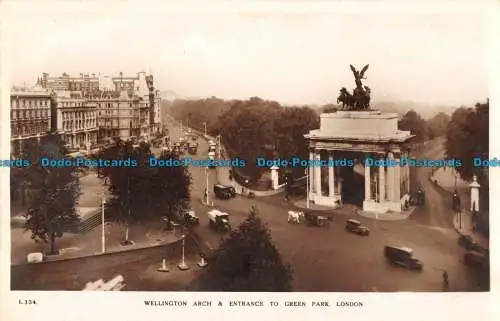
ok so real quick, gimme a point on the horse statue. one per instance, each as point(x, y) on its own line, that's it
point(367, 97)
point(346, 99)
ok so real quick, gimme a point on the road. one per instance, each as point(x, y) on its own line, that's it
point(437, 210)
point(322, 259)
point(330, 259)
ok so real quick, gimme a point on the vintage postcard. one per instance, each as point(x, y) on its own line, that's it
point(252, 160)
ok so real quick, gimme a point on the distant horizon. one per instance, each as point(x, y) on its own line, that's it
point(333, 102)
point(295, 58)
point(318, 104)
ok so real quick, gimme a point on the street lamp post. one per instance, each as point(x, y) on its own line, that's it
point(103, 238)
point(206, 185)
point(183, 266)
point(205, 126)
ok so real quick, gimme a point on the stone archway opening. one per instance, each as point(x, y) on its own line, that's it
point(352, 178)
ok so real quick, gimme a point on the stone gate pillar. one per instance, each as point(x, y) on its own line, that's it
point(474, 195)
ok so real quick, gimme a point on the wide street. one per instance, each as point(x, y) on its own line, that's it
point(322, 259)
point(330, 259)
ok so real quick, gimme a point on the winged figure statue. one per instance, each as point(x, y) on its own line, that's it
point(359, 75)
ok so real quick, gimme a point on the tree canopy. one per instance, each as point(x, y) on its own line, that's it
point(141, 192)
point(413, 122)
point(438, 125)
point(467, 137)
point(53, 191)
point(247, 261)
point(251, 128)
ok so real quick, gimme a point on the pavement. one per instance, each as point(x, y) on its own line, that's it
point(77, 245)
point(388, 216)
point(462, 222)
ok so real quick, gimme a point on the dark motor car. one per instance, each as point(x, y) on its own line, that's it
point(316, 219)
point(354, 226)
point(219, 220)
point(224, 192)
point(190, 219)
point(475, 260)
point(467, 242)
point(402, 256)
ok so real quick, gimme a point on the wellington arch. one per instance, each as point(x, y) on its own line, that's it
point(360, 134)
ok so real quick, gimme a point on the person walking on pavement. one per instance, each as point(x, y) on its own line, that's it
point(446, 283)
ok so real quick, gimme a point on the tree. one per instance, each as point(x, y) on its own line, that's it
point(413, 122)
point(172, 185)
point(144, 192)
point(438, 125)
point(53, 192)
point(247, 261)
point(468, 137)
point(130, 185)
point(290, 127)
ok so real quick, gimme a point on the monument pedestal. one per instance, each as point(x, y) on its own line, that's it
point(381, 207)
point(330, 201)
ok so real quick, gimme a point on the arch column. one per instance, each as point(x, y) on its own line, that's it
point(397, 180)
point(317, 174)
point(368, 183)
point(331, 176)
point(311, 172)
point(390, 178)
point(381, 181)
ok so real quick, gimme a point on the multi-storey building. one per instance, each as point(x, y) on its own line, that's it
point(126, 106)
point(30, 115)
point(75, 119)
point(121, 114)
point(85, 82)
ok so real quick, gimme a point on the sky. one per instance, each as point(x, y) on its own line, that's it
point(283, 55)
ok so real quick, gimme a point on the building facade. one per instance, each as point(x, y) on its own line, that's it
point(30, 115)
point(65, 82)
point(75, 119)
point(120, 115)
point(126, 106)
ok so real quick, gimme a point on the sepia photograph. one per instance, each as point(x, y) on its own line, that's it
point(258, 150)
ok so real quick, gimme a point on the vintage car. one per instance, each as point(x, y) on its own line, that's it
point(224, 192)
point(354, 226)
point(212, 146)
point(402, 256)
point(475, 260)
point(418, 198)
point(315, 219)
point(193, 148)
point(190, 219)
point(468, 243)
point(219, 220)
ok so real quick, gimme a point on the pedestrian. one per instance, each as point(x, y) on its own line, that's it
point(446, 283)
